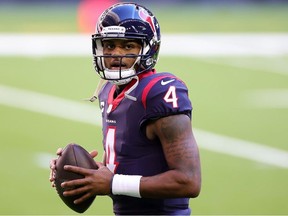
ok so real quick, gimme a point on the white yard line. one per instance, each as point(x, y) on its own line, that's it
point(198, 44)
point(90, 114)
point(50, 105)
point(267, 98)
point(43, 159)
point(276, 65)
point(242, 149)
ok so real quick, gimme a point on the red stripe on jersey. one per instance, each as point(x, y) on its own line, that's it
point(115, 102)
point(149, 86)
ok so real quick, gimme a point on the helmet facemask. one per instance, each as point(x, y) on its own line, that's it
point(123, 75)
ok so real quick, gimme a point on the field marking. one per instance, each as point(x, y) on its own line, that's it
point(242, 149)
point(276, 66)
point(43, 159)
point(267, 98)
point(197, 44)
point(49, 105)
point(76, 111)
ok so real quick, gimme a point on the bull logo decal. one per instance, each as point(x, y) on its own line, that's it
point(147, 18)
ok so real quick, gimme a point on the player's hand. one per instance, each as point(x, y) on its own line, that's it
point(95, 182)
point(93, 154)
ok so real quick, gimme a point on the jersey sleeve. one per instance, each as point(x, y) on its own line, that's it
point(166, 96)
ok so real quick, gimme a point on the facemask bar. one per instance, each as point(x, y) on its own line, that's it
point(121, 57)
point(121, 76)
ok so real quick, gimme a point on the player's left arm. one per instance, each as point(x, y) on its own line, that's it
point(182, 155)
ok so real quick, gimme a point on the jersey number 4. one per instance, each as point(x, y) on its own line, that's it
point(110, 149)
point(171, 97)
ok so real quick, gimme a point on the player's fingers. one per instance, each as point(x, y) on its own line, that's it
point(100, 165)
point(74, 187)
point(71, 184)
point(52, 164)
point(52, 178)
point(93, 153)
point(76, 191)
point(83, 198)
point(59, 151)
point(76, 169)
point(53, 184)
point(79, 170)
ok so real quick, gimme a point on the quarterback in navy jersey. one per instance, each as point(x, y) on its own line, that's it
point(151, 159)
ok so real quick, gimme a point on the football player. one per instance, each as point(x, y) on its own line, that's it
point(151, 162)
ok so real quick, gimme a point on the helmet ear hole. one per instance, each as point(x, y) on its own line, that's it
point(127, 21)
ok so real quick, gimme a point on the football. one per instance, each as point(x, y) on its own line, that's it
point(75, 155)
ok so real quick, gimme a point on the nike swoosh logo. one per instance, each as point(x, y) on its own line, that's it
point(166, 82)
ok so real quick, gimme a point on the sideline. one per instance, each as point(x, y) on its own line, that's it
point(197, 44)
point(67, 109)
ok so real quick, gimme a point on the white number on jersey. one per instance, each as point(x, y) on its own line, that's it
point(110, 149)
point(171, 97)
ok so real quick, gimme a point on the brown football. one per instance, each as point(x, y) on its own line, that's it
point(75, 155)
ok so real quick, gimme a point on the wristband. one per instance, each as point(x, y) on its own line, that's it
point(128, 185)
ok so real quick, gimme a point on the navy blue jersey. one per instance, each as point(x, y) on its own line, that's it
point(128, 151)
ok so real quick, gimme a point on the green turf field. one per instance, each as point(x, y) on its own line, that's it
point(220, 90)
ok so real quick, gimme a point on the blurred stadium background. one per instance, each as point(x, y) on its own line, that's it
point(233, 55)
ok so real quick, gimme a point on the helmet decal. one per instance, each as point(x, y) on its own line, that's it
point(143, 14)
